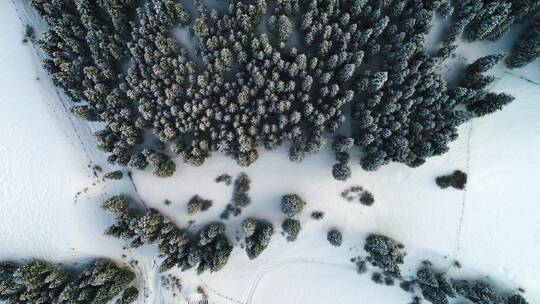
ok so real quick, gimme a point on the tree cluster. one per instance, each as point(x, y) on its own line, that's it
point(341, 145)
point(487, 19)
point(357, 192)
point(38, 281)
point(437, 288)
point(86, 47)
point(209, 249)
point(240, 198)
point(291, 205)
point(458, 180)
point(198, 204)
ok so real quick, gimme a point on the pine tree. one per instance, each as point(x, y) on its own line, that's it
point(341, 171)
point(335, 237)
point(490, 103)
point(292, 228)
point(257, 235)
point(384, 253)
point(292, 205)
point(527, 48)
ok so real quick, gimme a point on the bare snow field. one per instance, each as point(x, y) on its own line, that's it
point(51, 193)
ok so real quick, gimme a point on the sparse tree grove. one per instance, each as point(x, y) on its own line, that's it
point(435, 286)
point(318, 64)
point(209, 249)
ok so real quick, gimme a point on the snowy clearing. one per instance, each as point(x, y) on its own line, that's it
point(50, 197)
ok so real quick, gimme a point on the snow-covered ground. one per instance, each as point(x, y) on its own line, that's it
point(50, 196)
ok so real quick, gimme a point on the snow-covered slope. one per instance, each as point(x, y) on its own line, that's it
point(47, 157)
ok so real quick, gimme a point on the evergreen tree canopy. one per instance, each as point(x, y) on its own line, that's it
point(244, 89)
point(38, 281)
point(209, 249)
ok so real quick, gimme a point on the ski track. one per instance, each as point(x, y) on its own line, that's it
point(272, 267)
point(464, 197)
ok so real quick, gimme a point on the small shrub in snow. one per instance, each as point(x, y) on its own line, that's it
point(29, 32)
point(292, 205)
point(367, 198)
point(335, 237)
point(317, 215)
point(377, 277)
point(351, 193)
point(457, 180)
point(416, 300)
point(224, 178)
point(361, 266)
point(407, 286)
point(116, 175)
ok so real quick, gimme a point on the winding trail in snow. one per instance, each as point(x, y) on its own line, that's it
point(282, 263)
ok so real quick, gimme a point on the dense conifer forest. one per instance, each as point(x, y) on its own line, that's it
point(38, 281)
point(286, 72)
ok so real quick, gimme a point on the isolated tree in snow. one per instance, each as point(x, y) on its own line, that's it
point(292, 205)
point(292, 228)
point(335, 237)
point(257, 235)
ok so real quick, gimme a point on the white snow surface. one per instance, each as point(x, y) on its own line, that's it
point(50, 197)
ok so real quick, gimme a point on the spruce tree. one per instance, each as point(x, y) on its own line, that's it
point(527, 48)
